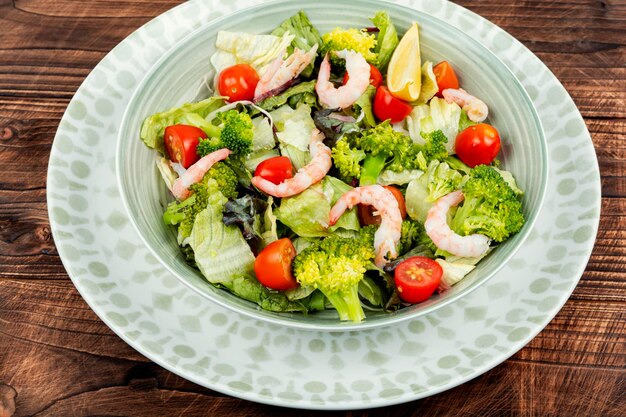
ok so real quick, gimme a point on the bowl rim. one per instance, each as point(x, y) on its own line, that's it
point(335, 326)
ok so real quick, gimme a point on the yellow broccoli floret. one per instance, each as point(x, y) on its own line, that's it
point(351, 39)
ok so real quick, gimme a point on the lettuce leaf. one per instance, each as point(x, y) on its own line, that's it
point(453, 272)
point(388, 177)
point(307, 213)
point(363, 105)
point(154, 126)
point(263, 136)
point(249, 288)
point(255, 158)
point(306, 89)
point(294, 129)
point(248, 48)
point(429, 84)
point(437, 115)
point(306, 35)
point(387, 39)
point(221, 252)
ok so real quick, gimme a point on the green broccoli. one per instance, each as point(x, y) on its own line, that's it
point(352, 39)
point(439, 179)
point(184, 213)
point(227, 180)
point(335, 266)
point(347, 160)
point(384, 148)
point(435, 147)
point(234, 132)
point(410, 235)
point(490, 207)
point(218, 185)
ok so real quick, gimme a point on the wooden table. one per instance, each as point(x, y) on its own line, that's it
point(63, 361)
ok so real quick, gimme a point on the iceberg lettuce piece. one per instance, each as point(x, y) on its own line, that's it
point(307, 213)
point(221, 252)
point(437, 115)
point(388, 177)
point(453, 272)
point(429, 84)
point(262, 134)
point(248, 48)
point(295, 126)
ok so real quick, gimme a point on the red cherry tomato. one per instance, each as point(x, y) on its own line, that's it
point(387, 106)
point(273, 265)
point(275, 170)
point(181, 142)
point(417, 278)
point(478, 144)
point(376, 78)
point(366, 213)
point(238, 82)
point(446, 78)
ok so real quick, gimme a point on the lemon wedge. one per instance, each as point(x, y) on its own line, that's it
point(404, 74)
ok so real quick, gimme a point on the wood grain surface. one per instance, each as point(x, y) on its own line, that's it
point(58, 359)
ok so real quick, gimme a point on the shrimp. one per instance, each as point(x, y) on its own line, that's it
point(444, 238)
point(476, 109)
point(388, 234)
point(194, 173)
point(344, 96)
point(306, 176)
point(280, 72)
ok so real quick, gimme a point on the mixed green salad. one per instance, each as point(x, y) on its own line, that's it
point(333, 171)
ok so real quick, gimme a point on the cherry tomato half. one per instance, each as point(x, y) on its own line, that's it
point(387, 106)
point(478, 144)
point(273, 265)
point(446, 77)
point(275, 170)
point(238, 82)
point(366, 213)
point(417, 278)
point(376, 78)
point(181, 142)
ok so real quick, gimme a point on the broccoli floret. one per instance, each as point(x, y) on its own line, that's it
point(226, 179)
point(439, 179)
point(352, 39)
point(435, 147)
point(234, 132)
point(385, 148)
point(490, 207)
point(410, 235)
point(335, 266)
point(184, 213)
point(347, 160)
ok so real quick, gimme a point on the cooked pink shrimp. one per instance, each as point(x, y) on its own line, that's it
point(306, 176)
point(444, 238)
point(476, 109)
point(194, 173)
point(344, 96)
point(388, 234)
point(280, 72)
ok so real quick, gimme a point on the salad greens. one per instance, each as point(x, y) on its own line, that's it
point(267, 192)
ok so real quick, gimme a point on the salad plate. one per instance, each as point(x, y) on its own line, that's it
point(208, 344)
